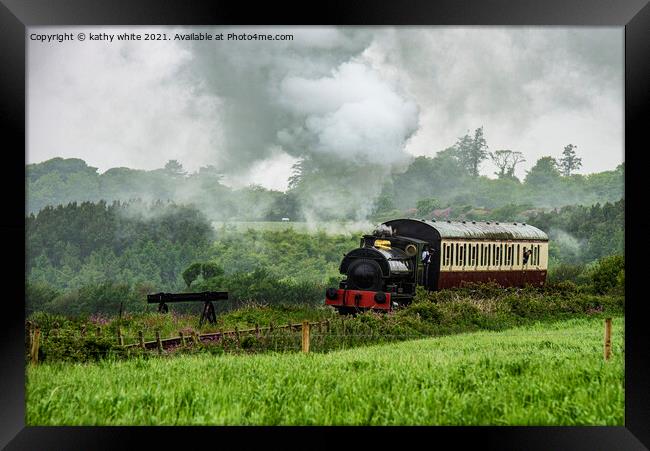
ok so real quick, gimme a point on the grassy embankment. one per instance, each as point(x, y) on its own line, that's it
point(541, 374)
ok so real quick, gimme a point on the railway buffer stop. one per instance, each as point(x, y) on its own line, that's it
point(208, 314)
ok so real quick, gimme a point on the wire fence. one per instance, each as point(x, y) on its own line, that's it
point(320, 336)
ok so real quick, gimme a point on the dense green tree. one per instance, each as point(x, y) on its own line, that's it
point(471, 151)
point(174, 169)
point(569, 161)
point(544, 173)
point(191, 273)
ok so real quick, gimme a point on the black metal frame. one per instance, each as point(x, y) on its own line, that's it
point(208, 314)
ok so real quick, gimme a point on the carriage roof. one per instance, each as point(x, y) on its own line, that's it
point(489, 230)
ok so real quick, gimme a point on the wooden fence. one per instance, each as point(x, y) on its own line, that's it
point(34, 336)
point(181, 340)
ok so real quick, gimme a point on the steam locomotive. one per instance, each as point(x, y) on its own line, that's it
point(385, 270)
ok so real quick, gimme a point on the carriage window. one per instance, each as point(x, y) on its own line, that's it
point(489, 255)
point(451, 255)
point(517, 255)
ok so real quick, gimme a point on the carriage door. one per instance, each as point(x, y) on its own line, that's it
point(434, 266)
point(429, 275)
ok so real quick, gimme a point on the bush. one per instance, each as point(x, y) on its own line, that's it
point(38, 295)
point(47, 322)
point(608, 274)
point(426, 310)
point(68, 346)
point(567, 272)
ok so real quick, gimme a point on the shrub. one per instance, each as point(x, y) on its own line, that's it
point(609, 273)
point(566, 272)
point(38, 295)
point(68, 346)
point(428, 311)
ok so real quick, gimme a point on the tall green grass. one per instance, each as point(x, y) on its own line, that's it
point(543, 374)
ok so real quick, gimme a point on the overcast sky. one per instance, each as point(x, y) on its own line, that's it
point(251, 108)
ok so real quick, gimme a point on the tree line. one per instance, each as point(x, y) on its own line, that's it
point(327, 188)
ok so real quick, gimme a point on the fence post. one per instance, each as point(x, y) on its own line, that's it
point(120, 338)
point(305, 336)
point(237, 335)
point(159, 342)
point(327, 325)
point(98, 331)
point(83, 330)
point(195, 338)
point(141, 339)
point(289, 326)
point(35, 345)
point(608, 338)
point(257, 331)
point(182, 335)
point(30, 336)
point(271, 327)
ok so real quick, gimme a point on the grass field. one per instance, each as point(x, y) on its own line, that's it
point(545, 374)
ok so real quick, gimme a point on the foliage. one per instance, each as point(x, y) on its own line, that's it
point(191, 273)
point(609, 274)
point(506, 161)
point(582, 234)
point(68, 346)
point(544, 174)
point(471, 151)
point(426, 206)
point(569, 161)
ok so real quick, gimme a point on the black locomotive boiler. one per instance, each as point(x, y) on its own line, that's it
point(385, 270)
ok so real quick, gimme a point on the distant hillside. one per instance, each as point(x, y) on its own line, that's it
point(428, 184)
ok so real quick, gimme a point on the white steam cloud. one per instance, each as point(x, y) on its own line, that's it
point(352, 113)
